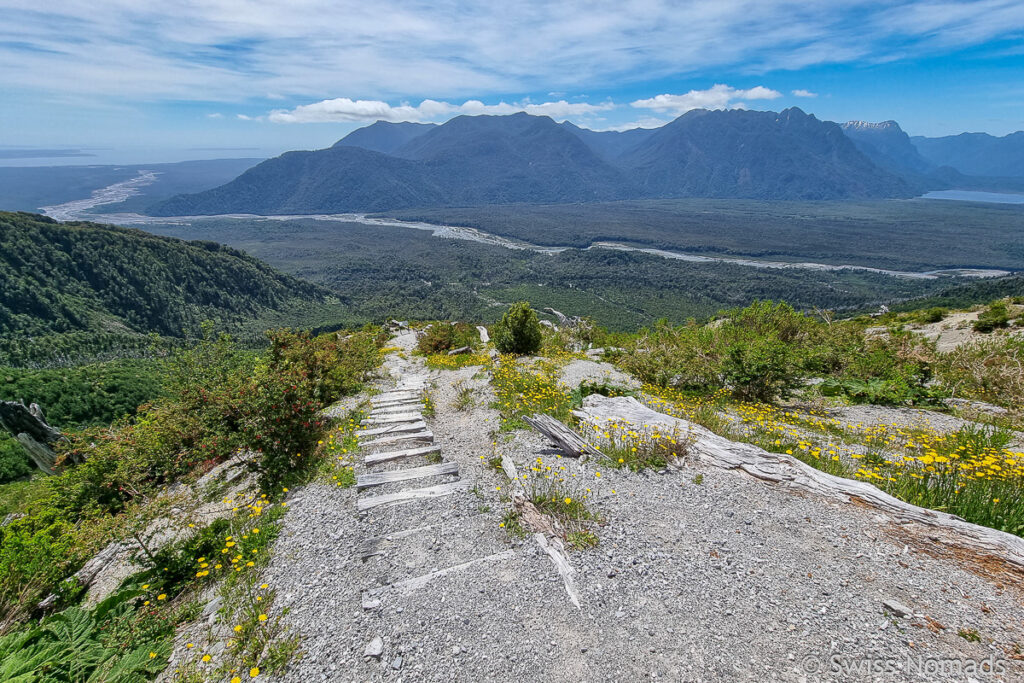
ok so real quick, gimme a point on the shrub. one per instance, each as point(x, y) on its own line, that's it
point(14, 461)
point(932, 315)
point(441, 337)
point(988, 369)
point(996, 315)
point(518, 331)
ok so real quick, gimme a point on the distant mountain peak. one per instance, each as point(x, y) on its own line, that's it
point(868, 125)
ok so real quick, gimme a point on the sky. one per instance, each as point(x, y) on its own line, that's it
point(146, 81)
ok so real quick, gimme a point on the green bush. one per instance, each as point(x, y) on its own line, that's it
point(990, 369)
point(442, 336)
point(518, 331)
point(996, 315)
point(931, 315)
point(14, 461)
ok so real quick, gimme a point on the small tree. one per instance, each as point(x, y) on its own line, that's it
point(518, 331)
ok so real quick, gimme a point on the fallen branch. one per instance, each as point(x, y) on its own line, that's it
point(88, 573)
point(29, 427)
point(569, 441)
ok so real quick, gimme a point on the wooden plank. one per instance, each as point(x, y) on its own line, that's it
point(391, 404)
point(411, 495)
point(377, 478)
point(391, 419)
point(417, 582)
point(396, 410)
point(377, 458)
point(786, 470)
point(395, 396)
point(392, 429)
point(388, 440)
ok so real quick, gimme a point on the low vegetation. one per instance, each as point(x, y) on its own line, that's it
point(216, 400)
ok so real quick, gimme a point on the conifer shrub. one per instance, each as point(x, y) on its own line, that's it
point(518, 331)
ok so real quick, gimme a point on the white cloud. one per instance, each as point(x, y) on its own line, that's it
point(800, 92)
point(226, 50)
point(243, 117)
point(718, 96)
point(215, 115)
point(343, 109)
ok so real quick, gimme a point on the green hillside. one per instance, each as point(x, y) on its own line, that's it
point(68, 288)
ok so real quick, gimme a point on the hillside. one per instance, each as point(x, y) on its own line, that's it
point(480, 160)
point(88, 278)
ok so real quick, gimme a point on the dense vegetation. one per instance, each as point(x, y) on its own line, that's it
point(100, 282)
point(407, 274)
point(219, 400)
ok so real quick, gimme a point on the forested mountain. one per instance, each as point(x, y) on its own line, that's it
point(383, 136)
point(978, 154)
point(887, 145)
point(756, 155)
point(73, 278)
point(477, 160)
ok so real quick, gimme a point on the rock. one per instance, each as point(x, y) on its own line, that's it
point(397, 663)
point(370, 602)
point(375, 648)
point(456, 651)
point(899, 609)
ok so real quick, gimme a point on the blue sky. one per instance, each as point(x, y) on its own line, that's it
point(140, 80)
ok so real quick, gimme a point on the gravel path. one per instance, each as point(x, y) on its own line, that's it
point(728, 579)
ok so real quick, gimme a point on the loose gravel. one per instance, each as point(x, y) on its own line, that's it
point(729, 579)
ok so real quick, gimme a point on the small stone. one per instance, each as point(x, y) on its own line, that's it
point(611, 573)
point(375, 648)
point(371, 603)
point(899, 609)
point(456, 650)
point(397, 664)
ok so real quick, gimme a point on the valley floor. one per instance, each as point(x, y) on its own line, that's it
point(701, 574)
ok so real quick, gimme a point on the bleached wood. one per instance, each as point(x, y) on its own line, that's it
point(377, 478)
point(400, 428)
point(484, 337)
point(372, 547)
point(788, 471)
point(411, 495)
point(377, 458)
point(561, 562)
point(417, 582)
point(427, 436)
point(391, 404)
point(569, 441)
point(85, 576)
point(392, 419)
point(402, 409)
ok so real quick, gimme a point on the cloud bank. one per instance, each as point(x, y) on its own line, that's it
point(342, 109)
point(718, 96)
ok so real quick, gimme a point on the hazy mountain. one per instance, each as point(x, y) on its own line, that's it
point(383, 136)
point(470, 160)
point(977, 154)
point(475, 160)
point(756, 155)
point(609, 144)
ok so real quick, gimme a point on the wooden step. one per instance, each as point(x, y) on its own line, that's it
point(395, 396)
point(377, 545)
point(388, 440)
point(396, 410)
point(392, 419)
point(417, 582)
point(411, 495)
point(393, 404)
point(377, 478)
point(400, 428)
point(378, 458)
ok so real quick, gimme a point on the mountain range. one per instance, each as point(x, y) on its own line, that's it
point(519, 158)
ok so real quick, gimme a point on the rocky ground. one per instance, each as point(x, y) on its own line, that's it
point(700, 575)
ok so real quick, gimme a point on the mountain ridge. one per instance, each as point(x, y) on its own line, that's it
point(519, 158)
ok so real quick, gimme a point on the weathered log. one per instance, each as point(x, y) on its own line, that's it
point(484, 337)
point(29, 427)
point(569, 441)
point(788, 471)
point(460, 350)
point(88, 573)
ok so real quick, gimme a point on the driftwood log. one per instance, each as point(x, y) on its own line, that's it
point(788, 471)
point(484, 337)
point(29, 427)
point(569, 441)
point(460, 350)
